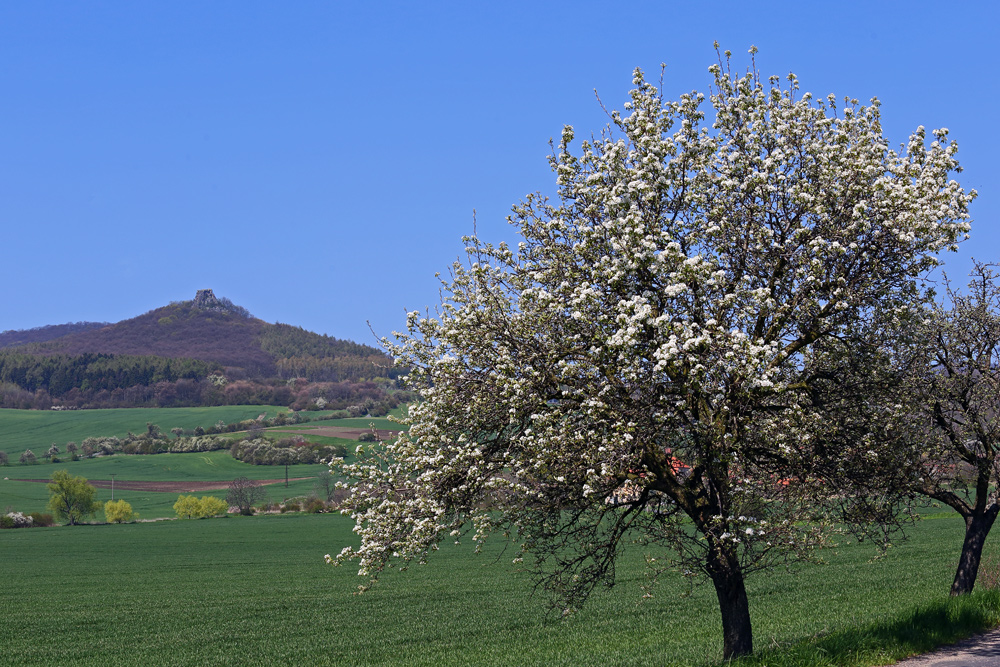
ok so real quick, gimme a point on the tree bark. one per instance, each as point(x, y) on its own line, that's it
point(977, 527)
point(737, 633)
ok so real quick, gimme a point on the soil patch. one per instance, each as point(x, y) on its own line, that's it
point(167, 487)
point(341, 432)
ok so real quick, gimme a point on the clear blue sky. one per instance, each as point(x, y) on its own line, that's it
point(318, 162)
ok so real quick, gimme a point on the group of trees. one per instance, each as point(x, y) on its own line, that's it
point(717, 339)
point(58, 374)
point(262, 451)
point(41, 392)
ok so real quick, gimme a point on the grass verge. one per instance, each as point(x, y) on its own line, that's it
point(920, 630)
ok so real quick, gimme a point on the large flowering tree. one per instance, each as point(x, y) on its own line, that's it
point(674, 351)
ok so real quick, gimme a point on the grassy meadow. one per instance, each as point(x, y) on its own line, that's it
point(255, 591)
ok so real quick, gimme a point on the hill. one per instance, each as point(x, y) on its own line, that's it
point(41, 334)
point(207, 351)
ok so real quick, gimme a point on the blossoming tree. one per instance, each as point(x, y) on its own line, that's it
point(674, 350)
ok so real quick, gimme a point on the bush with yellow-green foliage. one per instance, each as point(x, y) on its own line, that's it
point(212, 506)
point(119, 511)
point(189, 507)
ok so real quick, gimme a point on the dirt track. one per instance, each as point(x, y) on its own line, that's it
point(339, 432)
point(167, 487)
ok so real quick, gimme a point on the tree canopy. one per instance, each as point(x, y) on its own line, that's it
point(72, 498)
point(671, 350)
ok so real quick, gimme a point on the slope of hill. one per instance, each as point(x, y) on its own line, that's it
point(207, 351)
point(41, 334)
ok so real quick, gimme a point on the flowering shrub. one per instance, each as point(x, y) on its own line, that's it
point(16, 520)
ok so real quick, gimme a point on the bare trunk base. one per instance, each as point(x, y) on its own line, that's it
point(737, 633)
point(976, 530)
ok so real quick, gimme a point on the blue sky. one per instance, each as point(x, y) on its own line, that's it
point(319, 162)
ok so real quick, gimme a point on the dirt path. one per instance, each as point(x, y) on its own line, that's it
point(979, 651)
point(168, 487)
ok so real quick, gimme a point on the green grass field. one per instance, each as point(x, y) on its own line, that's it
point(38, 429)
point(255, 591)
point(194, 467)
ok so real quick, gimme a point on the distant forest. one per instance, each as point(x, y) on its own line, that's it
point(191, 353)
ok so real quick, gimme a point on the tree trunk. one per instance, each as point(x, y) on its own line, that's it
point(737, 633)
point(977, 527)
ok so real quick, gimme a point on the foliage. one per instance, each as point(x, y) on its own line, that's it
point(16, 520)
point(662, 353)
point(4, 458)
point(314, 506)
point(955, 423)
point(262, 451)
point(244, 493)
point(189, 507)
point(118, 511)
point(71, 498)
point(212, 506)
point(28, 458)
point(42, 520)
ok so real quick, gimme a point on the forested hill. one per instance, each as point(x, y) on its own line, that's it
point(42, 334)
point(229, 345)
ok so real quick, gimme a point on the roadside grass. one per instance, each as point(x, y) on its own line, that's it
point(254, 590)
point(923, 629)
point(38, 429)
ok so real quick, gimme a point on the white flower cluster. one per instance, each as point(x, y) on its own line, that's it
point(21, 520)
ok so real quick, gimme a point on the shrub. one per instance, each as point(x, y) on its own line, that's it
point(28, 458)
point(42, 520)
point(212, 506)
point(118, 511)
point(290, 507)
point(315, 506)
point(187, 507)
point(15, 520)
point(4, 459)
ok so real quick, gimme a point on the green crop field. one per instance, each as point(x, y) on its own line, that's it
point(193, 467)
point(255, 591)
point(38, 429)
